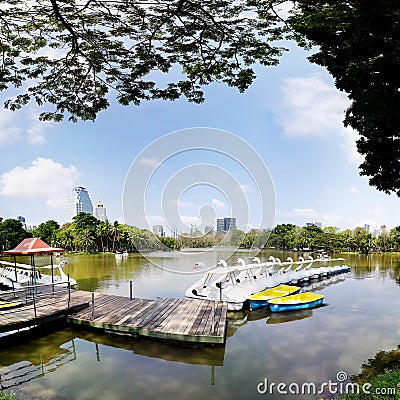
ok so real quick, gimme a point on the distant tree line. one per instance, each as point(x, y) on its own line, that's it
point(87, 233)
point(293, 237)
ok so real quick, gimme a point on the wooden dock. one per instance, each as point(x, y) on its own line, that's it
point(180, 320)
point(47, 307)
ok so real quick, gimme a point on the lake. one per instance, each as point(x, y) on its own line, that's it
point(359, 319)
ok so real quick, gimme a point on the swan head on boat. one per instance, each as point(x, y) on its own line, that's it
point(271, 258)
point(222, 263)
point(198, 265)
point(256, 260)
point(310, 258)
point(240, 261)
point(301, 259)
point(290, 259)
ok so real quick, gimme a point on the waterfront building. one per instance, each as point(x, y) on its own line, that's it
point(78, 201)
point(226, 224)
point(100, 211)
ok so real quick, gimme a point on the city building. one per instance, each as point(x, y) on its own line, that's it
point(22, 220)
point(158, 230)
point(78, 201)
point(100, 211)
point(220, 225)
point(367, 227)
point(230, 224)
point(226, 224)
point(318, 224)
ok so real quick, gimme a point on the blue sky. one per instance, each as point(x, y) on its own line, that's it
point(291, 116)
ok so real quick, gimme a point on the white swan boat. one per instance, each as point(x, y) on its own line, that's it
point(16, 275)
point(235, 284)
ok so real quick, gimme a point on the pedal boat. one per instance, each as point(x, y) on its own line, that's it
point(261, 299)
point(6, 305)
point(299, 301)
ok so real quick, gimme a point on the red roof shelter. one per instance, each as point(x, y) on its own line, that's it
point(32, 246)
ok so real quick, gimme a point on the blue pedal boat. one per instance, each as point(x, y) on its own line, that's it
point(299, 301)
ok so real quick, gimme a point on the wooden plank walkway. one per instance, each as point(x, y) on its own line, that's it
point(48, 308)
point(181, 320)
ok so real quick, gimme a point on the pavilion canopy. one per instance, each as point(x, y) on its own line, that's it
point(33, 246)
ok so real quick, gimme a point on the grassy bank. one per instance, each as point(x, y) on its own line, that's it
point(383, 386)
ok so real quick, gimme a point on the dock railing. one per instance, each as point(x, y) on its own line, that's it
point(38, 296)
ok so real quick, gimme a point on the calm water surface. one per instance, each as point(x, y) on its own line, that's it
point(361, 317)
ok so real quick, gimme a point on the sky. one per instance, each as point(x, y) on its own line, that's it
point(286, 159)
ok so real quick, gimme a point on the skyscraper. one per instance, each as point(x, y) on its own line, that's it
point(100, 211)
point(78, 201)
point(226, 224)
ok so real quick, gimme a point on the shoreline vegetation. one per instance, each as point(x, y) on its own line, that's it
point(7, 396)
point(87, 234)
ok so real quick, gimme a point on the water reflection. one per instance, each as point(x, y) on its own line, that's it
point(361, 317)
point(42, 356)
point(382, 362)
point(25, 363)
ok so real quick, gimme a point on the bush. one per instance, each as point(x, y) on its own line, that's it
point(7, 396)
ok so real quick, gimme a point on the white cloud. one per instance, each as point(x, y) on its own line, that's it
point(303, 212)
point(43, 179)
point(9, 133)
point(150, 161)
point(312, 107)
point(218, 203)
point(22, 125)
point(350, 137)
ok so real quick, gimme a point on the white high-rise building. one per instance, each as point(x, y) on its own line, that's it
point(158, 230)
point(100, 211)
point(78, 201)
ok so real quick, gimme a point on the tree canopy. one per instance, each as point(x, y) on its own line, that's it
point(68, 56)
point(12, 233)
point(358, 42)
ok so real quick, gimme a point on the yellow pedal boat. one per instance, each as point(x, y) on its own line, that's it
point(296, 302)
point(261, 299)
point(5, 305)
